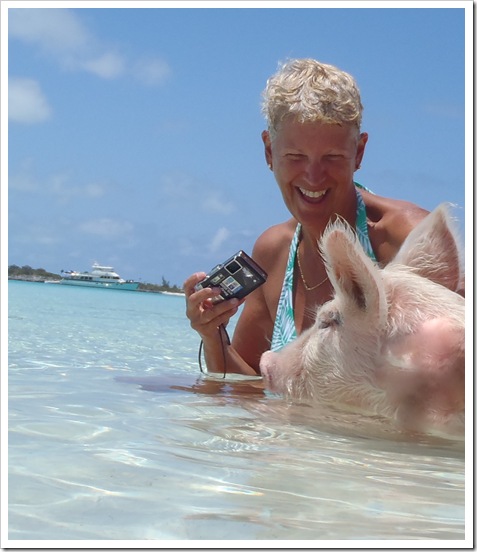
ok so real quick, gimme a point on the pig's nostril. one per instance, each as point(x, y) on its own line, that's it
point(264, 370)
point(265, 365)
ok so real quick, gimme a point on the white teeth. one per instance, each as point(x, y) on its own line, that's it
point(309, 193)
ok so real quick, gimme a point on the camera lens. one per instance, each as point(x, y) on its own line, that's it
point(233, 267)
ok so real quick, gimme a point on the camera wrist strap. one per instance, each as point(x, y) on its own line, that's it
point(222, 330)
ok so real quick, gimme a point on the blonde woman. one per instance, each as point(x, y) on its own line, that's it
point(314, 146)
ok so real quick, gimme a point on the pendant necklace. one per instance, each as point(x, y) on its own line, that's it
point(307, 287)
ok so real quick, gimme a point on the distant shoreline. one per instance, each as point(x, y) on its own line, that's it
point(36, 279)
point(41, 280)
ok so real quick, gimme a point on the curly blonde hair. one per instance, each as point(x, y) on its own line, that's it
point(311, 91)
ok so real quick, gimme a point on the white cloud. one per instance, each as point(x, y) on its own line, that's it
point(107, 228)
point(446, 111)
point(217, 204)
point(57, 32)
point(65, 190)
point(23, 180)
point(37, 235)
point(179, 187)
point(186, 247)
point(60, 35)
point(152, 71)
point(26, 102)
point(219, 238)
point(106, 66)
point(45, 240)
point(93, 190)
point(60, 185)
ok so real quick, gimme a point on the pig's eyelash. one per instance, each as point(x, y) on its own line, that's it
point(327, 319)
point(323, 324)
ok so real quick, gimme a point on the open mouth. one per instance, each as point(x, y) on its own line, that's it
point(312, 195)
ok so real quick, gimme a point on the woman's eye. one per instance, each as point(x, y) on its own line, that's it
point(294, 156)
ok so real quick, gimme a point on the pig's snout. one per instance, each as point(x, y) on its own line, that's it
point(268, 368)
point(268, 362)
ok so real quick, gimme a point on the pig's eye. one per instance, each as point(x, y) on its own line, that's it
point(327, 319)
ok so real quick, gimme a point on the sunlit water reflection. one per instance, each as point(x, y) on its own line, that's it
point(113, 435)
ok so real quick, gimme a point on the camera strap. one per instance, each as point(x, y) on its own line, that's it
point(223, 345)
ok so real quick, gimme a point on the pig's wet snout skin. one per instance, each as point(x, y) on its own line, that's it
point(267, 363)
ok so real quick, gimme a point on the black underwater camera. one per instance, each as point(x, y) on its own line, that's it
point(236, 277)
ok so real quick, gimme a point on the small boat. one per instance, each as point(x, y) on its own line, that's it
point(99, 277)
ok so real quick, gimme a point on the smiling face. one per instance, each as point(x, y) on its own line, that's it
point(314, 165)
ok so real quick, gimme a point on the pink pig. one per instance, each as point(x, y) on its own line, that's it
point(391, 341)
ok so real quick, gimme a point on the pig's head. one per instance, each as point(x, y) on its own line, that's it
point(391, 341)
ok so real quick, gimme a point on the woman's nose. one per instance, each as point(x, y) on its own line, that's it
point(315, 172)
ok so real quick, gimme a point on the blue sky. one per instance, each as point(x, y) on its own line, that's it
point(134, 133)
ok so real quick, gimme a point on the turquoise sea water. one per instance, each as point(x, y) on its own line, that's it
point(113, 435)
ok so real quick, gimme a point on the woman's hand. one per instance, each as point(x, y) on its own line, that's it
point(204, 315)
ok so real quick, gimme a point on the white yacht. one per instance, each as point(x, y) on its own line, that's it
point(99, 277)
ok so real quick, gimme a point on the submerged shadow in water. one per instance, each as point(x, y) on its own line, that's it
point(252, 387)
point(323, 418)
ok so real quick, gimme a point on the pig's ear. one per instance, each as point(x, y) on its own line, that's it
point(355, 277)
point(432, 251)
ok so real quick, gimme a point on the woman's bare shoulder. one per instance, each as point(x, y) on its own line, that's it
point(390, 221)
point(273, 241)
point(385, 210)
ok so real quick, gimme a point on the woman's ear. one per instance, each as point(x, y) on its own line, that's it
point(268, 148)
point(363, 139)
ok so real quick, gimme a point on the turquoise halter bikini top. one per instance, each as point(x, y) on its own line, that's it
point(284, 330)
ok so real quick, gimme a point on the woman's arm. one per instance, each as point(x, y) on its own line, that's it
point(210, 320)
point(253, 332)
